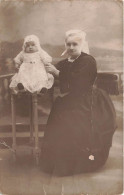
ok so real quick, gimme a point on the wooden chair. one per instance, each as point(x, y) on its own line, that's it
point(108, 82)
point(33, 123)
point(33, 116)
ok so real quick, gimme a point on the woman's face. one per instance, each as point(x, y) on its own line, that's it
point(30, 47)
point(73, 46)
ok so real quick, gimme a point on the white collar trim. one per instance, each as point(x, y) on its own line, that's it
point(72, 60)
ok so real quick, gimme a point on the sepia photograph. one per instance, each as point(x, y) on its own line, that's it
point(61, 97)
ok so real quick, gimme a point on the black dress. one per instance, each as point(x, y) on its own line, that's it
point(81, 124)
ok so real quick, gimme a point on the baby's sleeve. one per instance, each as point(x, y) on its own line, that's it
point(19, 58)
point(45, 57)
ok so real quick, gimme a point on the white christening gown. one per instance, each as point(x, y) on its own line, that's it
point(32, 73)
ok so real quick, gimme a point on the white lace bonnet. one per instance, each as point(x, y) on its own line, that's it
point(33, 38)
point(77, 33)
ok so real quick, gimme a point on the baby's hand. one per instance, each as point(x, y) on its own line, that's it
point(17, 66)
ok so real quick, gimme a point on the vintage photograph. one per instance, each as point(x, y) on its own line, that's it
point(61, 97)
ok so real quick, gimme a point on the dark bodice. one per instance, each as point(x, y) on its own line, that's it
point(78, 76)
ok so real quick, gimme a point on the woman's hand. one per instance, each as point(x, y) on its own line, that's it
point(52, 69)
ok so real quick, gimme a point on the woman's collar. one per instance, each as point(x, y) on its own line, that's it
point(72, 60)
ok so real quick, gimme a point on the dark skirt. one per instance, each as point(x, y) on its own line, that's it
point(79, 127)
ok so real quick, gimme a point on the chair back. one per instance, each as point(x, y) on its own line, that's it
point(108, 82)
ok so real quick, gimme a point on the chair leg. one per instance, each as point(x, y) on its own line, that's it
point(13, 108)
point(35, 120)
point(31, 122)
point(51, 92)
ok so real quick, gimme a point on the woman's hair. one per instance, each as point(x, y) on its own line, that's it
point(73, 35)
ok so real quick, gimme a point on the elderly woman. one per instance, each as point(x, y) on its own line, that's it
point(81, 124)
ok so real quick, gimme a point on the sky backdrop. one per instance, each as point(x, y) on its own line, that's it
point(49, 20)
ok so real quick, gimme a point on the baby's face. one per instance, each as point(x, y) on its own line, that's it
point(30, 47)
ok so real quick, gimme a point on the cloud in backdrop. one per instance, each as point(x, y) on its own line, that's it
point(101, 20)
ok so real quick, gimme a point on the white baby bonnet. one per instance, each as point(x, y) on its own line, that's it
point(77, 33)
point(45, 56)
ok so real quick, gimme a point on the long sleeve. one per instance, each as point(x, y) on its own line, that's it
point(19, 58)
point(63, 67)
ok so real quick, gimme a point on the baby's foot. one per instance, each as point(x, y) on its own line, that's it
point(20, 86)
point(43, 90)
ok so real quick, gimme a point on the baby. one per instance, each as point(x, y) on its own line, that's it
point(30, 62)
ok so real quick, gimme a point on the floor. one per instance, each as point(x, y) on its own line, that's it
point(24, 178)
